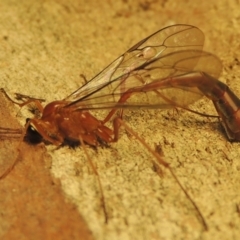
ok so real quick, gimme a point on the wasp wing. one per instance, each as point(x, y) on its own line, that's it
point(170, 52)
point(168, 40)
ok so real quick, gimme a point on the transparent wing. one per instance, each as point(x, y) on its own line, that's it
point(170, 52)
point(168, 40)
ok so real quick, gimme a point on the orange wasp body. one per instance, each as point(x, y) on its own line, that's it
point(168, 69)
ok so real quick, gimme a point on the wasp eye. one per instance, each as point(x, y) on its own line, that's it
point(32, 136)
point(31, 128)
